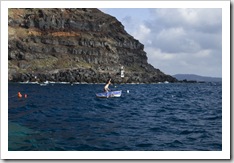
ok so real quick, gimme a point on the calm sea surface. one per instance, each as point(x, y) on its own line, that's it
point(156, 117)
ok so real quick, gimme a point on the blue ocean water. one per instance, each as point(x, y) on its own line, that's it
point(151, 117)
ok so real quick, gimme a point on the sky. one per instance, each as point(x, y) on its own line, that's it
point(177, 40)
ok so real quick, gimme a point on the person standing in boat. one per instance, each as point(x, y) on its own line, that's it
point(106, 87)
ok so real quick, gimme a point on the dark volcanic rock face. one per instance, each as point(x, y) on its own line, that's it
point(74, 45)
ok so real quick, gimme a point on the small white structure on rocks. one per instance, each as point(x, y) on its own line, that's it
point(122, 71)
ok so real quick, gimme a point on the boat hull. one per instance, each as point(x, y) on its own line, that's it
point(109, 94)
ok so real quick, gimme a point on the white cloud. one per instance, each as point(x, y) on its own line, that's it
point(183, 40)
point(200, 62)
point(142, 33)
point(157, 54)
point(188, 17)
point(190, 45)
point(171, 33)
point(203, 54)
point(203, 17)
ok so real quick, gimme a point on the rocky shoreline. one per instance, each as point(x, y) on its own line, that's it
point(87, 76)
point(114, 83)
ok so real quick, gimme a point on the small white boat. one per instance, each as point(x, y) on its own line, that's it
point(109, 94)
point(44, 83)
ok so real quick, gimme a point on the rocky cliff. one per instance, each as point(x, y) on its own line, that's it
point(74, 45)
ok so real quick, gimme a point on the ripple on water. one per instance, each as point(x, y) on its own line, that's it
point(143, 145)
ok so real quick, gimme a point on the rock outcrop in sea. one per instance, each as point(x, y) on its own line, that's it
point(75, 45)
